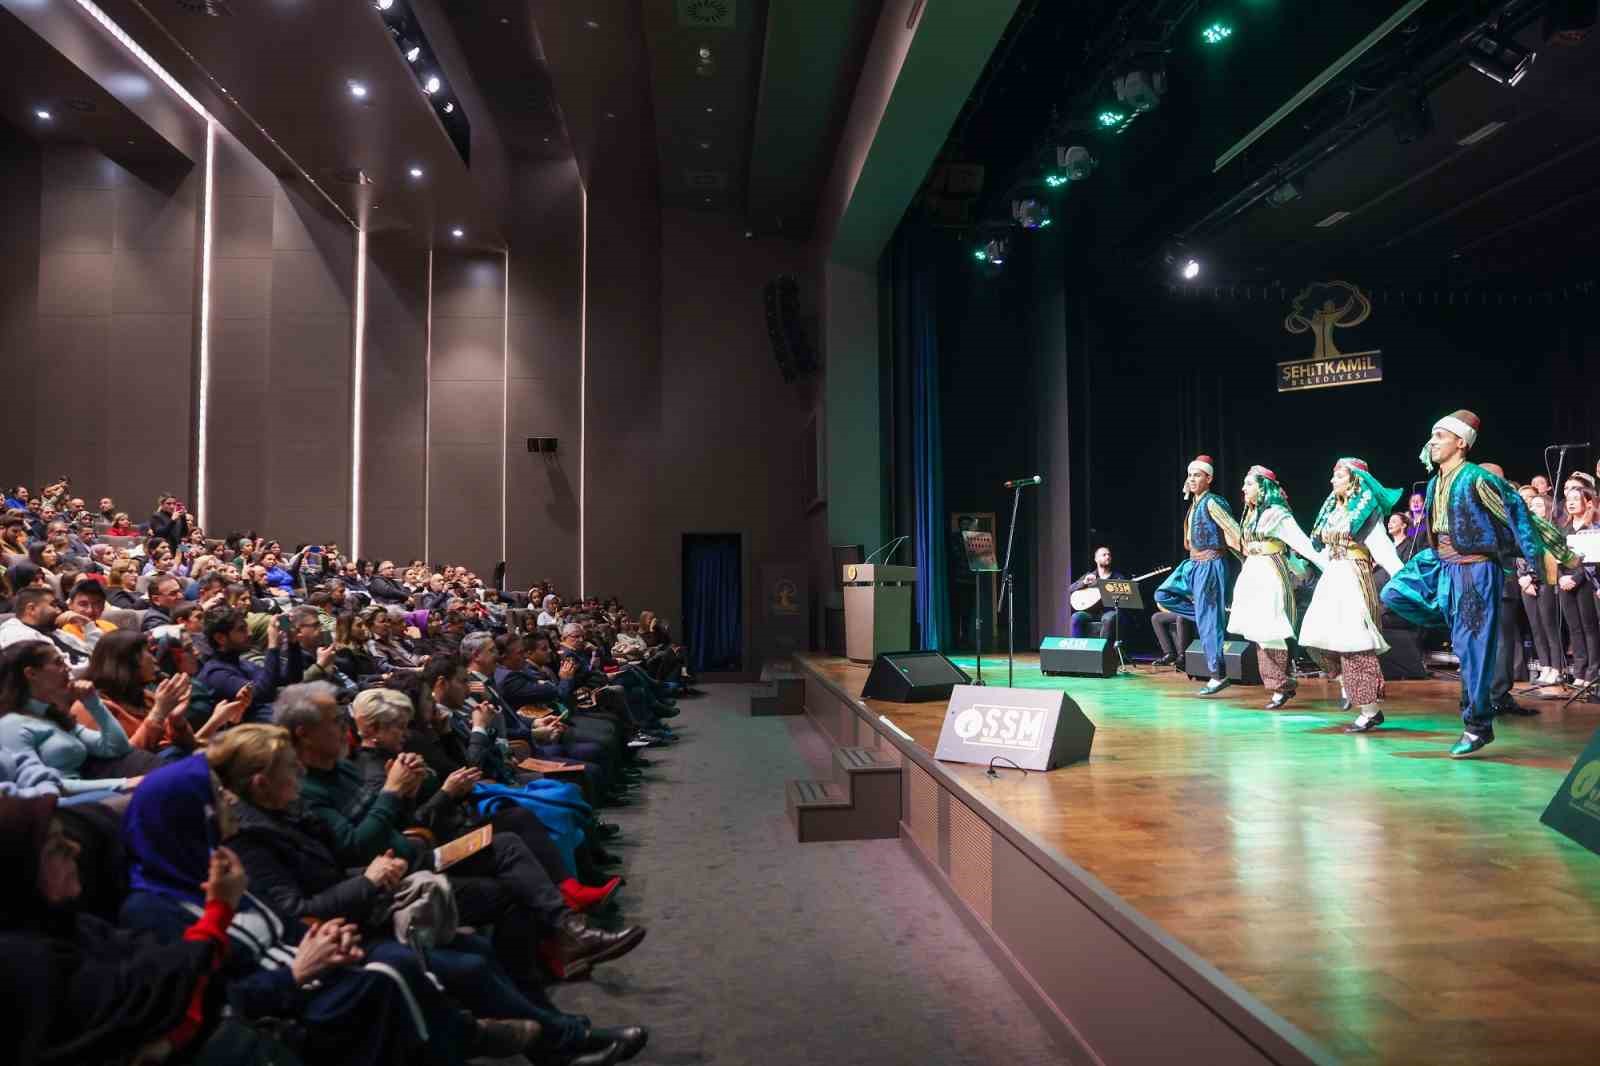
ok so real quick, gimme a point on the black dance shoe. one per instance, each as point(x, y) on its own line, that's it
point(1214, 686)
point(1471, 743)
point(1509, 706)
point(1365, 723)
point(1166, 660)
point(1279, 699)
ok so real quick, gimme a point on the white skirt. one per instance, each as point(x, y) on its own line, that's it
point(1259, 612)
point(1338, 619)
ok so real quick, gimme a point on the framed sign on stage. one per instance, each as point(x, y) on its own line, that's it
point(975, 522)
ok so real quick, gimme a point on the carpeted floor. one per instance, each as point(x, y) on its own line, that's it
point(763, 950)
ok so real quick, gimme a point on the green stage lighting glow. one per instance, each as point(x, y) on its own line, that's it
point(1055, 181)
point(1043, 223)
point(981, 256)
point(1111, 118)
point(1216, 33)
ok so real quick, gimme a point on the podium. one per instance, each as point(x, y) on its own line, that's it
point(878, 604)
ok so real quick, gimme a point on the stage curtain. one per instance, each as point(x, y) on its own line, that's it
point(916, 322)
point(713, 602)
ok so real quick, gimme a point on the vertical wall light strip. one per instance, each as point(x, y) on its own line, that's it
point(203, 406)
point(358, 360)
point(427, 423)
point(583, 387)
point(505, 404)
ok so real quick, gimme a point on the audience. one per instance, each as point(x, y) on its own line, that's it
point(139, 666)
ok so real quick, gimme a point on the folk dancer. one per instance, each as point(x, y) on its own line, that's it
point(1263, 599)
point(1198, 589)
point(1343, 623)
point(1476, 523)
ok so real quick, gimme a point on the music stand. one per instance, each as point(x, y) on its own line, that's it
point(979, 546)
point(1119, 594)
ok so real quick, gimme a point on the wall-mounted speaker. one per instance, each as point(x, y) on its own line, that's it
point(791, 347)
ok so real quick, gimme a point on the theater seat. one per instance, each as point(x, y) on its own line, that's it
point(123, 618)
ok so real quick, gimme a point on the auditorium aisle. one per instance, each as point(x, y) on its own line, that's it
point(762, 950)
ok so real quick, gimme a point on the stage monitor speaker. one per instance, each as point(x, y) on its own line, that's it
point(1080, 656)
point(1035, 728)
point(912, 677)
point(1403, 661)
point(1240, 656)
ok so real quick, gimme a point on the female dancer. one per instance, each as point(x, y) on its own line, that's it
point(1263, 597)
point(1342, 621)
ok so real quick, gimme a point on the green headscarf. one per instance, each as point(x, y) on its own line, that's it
point(1368, 497)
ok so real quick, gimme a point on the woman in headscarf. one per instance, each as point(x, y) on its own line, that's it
point(1263, 597)
point(1342, 623)
point(369, 1005)
point(81, 990)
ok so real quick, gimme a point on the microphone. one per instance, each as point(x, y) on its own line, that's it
point(1024, 482)
point(892, 545)
point(1564, 447)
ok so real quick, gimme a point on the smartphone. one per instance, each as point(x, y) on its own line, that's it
point(566, 712)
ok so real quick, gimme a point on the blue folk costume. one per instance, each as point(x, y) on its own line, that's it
point(1477, 524)
point(1199, 588)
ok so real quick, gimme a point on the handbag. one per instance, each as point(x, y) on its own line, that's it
point(423, 910)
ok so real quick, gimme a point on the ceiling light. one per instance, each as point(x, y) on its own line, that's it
point(1498, 58)
point(1482, 133)
point(611, 114)
point(432, 84)
point(708, 110)
point(705, 52)
point(1055, 181)
point(458, 233)
point(1282, 193)
point(705, 145)
point(591, 24)
point(1109, 118)
point(42, 115)
point(413, 53)
point(358, 90)
point(1333, 219)
point(449, 106)
point(416, 172)
point(1216, 33)
point(1191, 269)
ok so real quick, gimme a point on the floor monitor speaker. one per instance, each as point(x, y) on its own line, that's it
point(1080, 656)
point(912, 677)
point(1240, 656)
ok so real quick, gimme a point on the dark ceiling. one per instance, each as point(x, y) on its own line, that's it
point(1515, 208)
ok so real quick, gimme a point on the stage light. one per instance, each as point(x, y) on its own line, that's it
point(1283, 192)
point(458, 233)
point(1030, 213)
point(449, 107)
point(1181, 261)
point(1140, 89)
point(1075, 162)
point(416, 172)
point(42, 115)
point(1109, 119)
point(1191, 269)
point(1055, 181)
point(993, 251)
point(383, 5)
point(1216, 33)
point(705, 53)
point(413, 53)
point(1498, 58)
point(432, 84)
point(358, 90)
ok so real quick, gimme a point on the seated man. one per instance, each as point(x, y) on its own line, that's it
point(227, 671)
point(80, 626)
point(502, 885)
point(1098, 620)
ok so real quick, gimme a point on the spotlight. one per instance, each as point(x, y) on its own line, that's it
point(383, 5)
point(1283, 193)
point(42, 115)
point(1075, 162)
point(1191, 269)
point(1055, 181)
point(1216, 33)
point(1030, 213)
point(416, 172)
point(1110, 119)
point(358, 90)
point(413, 53)
point(993, 251)
point(1140, 90)
point(1498, 57)
point(432, 84)
point(705, 53)
point(1181, 262)
point(458, 233)
point(591, 24)
point(449, 107)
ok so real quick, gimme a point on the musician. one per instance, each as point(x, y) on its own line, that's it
point(1097, 619)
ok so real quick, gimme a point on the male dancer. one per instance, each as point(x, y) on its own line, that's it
point(1198, 589)
point(1475, 523)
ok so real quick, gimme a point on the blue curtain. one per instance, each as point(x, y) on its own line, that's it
point(713, 602)
point(915, 269)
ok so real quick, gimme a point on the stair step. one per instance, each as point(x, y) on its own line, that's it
point(865, 760)
point(818, 794)
point(780, 697)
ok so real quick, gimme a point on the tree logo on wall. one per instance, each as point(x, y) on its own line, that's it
point(1319, 309)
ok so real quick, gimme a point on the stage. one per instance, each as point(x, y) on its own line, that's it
point(1216, 870)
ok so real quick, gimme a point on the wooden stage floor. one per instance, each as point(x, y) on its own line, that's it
point(1394, 904)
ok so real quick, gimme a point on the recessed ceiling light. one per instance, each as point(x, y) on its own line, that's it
point(42, 115)
point(458, 233)
point(416, 172)
point(709, 110)
point(431, 84)
point(413, 53)
point(591, 24)
point(611, 114)
point(358, 90)
point(547, 140)
point(708, 199)
point(449, 106)
point(505, 21)
point(705, 51)
point(705, 144)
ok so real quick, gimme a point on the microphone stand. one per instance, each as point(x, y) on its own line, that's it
point(1007, 593)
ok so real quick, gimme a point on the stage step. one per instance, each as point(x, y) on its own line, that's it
point(782, 692)
point(862, 802)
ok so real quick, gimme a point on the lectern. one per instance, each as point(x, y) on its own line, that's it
point(878, 601)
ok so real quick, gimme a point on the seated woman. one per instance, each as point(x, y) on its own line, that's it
point(358, 1003)
point(81, 990)
point(291, 856)
point(123, 673)
point(122, 586)
point(122, 526)
point(35, 697)
point(350, 656)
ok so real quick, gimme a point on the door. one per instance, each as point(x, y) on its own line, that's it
point(713, 601)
